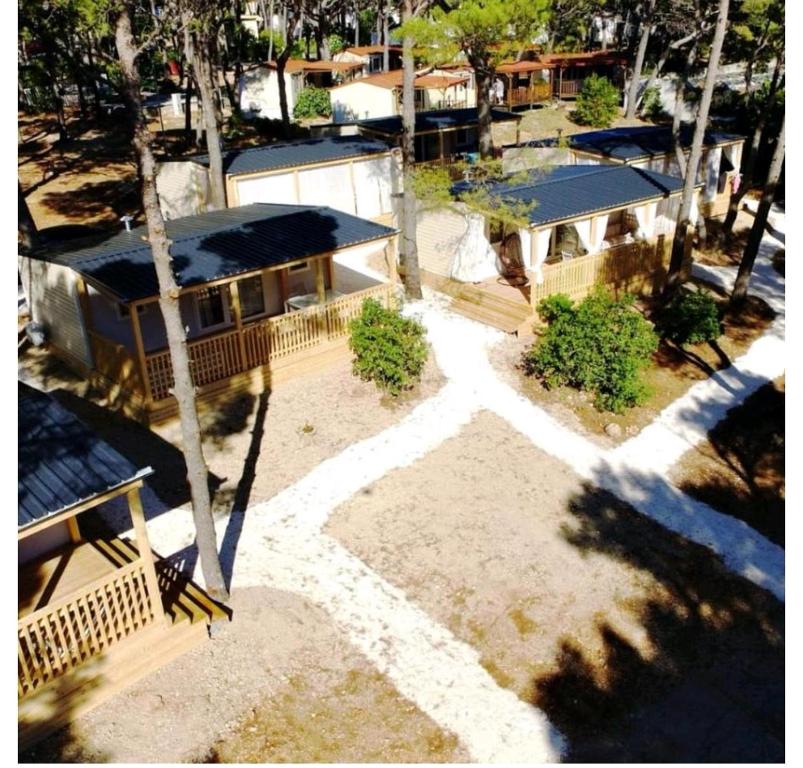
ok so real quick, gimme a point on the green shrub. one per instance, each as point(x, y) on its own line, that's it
point(552, 307)
point(313, 102)
point(389, 349)
point(601, 346)
point(651, 106)
point(690, 318)
point(597, 103)
point(336, 43)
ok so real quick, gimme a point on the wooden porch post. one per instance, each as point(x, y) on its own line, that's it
point(83, 300)
point(234, 289)
point(330, 266)
point(72, 527)
point(145, 554)
point(285, 291)
point(143, 365)
point(320, 285)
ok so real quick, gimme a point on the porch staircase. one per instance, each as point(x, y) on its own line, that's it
point(487, 307)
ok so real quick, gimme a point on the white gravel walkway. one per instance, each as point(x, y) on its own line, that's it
point(281, 543)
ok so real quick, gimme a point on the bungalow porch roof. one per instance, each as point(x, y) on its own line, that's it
point(629, 144)
point(566, 192)
point(433, 121)
point(218, 244)
point(61, 461)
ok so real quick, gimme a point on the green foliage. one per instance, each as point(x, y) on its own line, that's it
point(313, 102)
point(258, 48)
point(389, 349)
point(336, 43)
point(433, 189)
point(597, 103)
point(690, 318)
point(552, 307)
point(651, 106)
point(601, 346)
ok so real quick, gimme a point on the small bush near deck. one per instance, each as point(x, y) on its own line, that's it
point(691, 317)
point(389, 349)
point(313, 102)
point(597, 103)
point(601, 346)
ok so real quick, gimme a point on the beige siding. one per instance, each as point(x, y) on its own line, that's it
point(183, 189)
point(43, 542)
point(439, 235)
point(53, 299)
point(360, 100)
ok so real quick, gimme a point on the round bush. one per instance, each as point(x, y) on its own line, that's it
point(691, 317)
point(313, 102)
point(389, 349)
point(597, 103)
point(601, 346)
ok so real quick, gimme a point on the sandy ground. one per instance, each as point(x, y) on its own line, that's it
point(294, 690)
point(544, 122)
point(575, 602)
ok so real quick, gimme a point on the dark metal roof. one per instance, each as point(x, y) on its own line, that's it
point(434, 121)
point(219, 244)
point(61, 462)
point(566, 191)
point(296, 153)
point(628, 144)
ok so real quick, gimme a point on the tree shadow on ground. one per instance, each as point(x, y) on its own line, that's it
point(96, 198)
point(705, 682)
point(740, 469)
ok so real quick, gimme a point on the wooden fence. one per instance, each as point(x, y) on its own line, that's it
point(64, 634)
point(221, 356)
point(635, 267)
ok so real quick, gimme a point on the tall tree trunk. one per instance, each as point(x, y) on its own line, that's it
point(281, 61)
point(483, 73)
point(752, 153)
point(93, 79)
point(408, 255)
point(680, 93)
point(188, 109)
point(386, 39)
point(356, 25)
point(757, 230)
point(632, 94)
point(26, 226)
point(270, 31)
point(183, 388)
point(675, 276)
point(197, 51)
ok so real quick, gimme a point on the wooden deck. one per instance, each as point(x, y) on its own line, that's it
point(493, 302)
point(87, 628)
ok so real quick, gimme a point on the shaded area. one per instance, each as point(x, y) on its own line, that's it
point(712, 686)
point(93, 199)
point(739, 470)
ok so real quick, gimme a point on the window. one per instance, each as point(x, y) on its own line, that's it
point(302, 266)
point(211, 311)
point(252, 296)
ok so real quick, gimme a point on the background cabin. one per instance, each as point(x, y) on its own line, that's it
point(94, 612)
point(651, 148)
point(441, 136)
point(380, 95)
point(267, 291)
point(371, 58)
point(353, 174)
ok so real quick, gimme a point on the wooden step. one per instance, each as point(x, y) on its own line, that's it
point(182, 599)
point(94, 682)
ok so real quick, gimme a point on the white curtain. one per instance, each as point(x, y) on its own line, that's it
point(645, 216)
point(526, 247)
point(474, 260)
point(599, 233)
point(542, 240)
point(584, 233)
point(712, 163)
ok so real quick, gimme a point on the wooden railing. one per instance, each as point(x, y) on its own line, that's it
point(438, 105)
point(115, 362)
point(219, 357)
point(633, 267)
point(569, 87)
point(61, 636)
point(532, 94)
